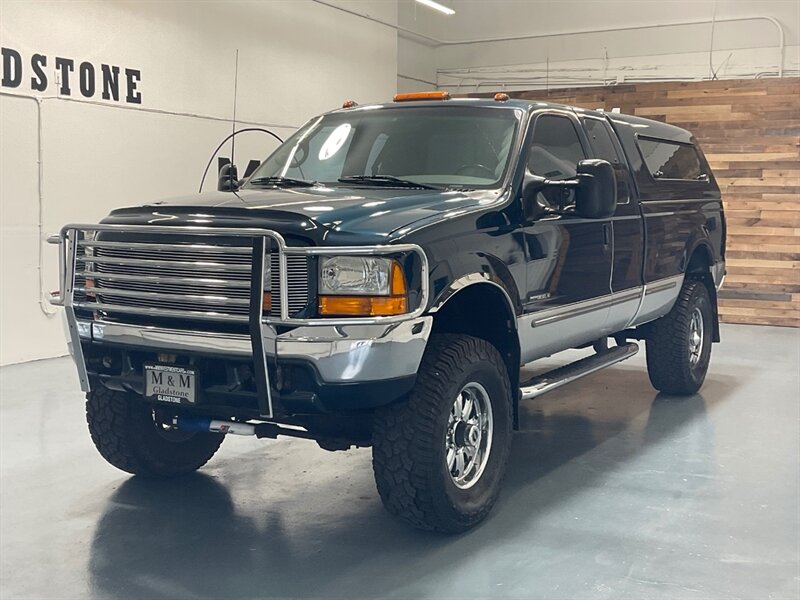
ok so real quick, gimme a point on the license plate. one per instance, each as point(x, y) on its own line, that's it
point(168, 383)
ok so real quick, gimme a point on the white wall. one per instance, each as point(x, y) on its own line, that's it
point(416, 58)
point(557, 59)
point(296, 58)
point(416, 66)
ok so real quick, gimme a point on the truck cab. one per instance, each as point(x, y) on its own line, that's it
point(381, 279)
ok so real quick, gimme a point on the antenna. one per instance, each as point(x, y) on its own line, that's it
point(235, 92)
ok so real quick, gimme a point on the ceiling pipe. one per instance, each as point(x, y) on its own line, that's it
point(513, 38)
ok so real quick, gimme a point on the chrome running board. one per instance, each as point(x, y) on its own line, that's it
point(541, 384)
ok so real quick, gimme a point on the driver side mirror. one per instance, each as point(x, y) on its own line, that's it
point(595, 191)
point(596, 196)
point(228, 178)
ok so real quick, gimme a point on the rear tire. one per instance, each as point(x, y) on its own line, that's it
point(126, 435)
point(439, 458)
point(679, 343)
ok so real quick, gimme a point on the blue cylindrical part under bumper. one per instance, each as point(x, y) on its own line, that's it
point(194, 424)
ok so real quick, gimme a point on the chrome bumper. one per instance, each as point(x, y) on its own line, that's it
point(358, 353)
point(340, 354)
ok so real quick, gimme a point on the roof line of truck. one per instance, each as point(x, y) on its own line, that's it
point(648, 127)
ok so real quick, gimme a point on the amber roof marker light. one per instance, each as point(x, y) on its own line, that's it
point(419, 96)
point(349, 104)
point(501, 97)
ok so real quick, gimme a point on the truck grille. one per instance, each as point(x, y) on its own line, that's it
point(189, 280)
point(297, 275)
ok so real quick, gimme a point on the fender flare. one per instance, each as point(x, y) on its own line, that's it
point(699, 243)
point(709, 281)
point(486, 280)
point(466, 281)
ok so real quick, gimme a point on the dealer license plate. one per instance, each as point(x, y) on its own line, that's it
point(168, 383)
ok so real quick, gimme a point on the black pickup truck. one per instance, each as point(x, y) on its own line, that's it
point(379, 281)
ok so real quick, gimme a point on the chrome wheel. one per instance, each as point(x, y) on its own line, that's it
point(469, 435)
point(695, 336)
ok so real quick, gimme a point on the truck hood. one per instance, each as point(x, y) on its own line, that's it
point(330, 216)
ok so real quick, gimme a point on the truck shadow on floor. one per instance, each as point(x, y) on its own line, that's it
point(190, 538)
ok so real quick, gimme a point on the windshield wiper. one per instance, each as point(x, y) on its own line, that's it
point(386, 181)
point(277, 181)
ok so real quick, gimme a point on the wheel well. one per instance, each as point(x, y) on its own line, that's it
point(482, 311)
point(700, 262)
point(699, 267)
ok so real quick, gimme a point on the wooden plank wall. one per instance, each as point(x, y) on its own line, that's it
point(750, 133)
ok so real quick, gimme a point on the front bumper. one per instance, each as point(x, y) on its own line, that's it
point(340, 368)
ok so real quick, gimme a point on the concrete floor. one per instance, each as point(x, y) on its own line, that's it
point(613, 491)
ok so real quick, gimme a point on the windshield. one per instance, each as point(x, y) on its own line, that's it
point(464, 147)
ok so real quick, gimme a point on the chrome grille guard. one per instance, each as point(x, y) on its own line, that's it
point(262, 245)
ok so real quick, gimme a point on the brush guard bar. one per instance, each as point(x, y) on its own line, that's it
point(261, 243)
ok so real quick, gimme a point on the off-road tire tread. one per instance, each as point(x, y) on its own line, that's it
point(667, 360)
point(116, 435)
point(403, 434)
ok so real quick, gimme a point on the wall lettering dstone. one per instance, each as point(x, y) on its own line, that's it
point(86, 78)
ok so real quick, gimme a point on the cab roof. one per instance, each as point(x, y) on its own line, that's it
point(645, 127)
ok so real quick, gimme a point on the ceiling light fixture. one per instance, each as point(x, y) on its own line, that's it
point(436, 6)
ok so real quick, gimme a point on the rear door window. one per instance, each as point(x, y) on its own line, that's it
point(602, 141)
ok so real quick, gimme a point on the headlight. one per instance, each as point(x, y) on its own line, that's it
point(343, 275)
point(361, 286)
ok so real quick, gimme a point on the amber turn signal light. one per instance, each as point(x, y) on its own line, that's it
point(411, 96)
point(362, 306)
point(266, 303)
point(397, 286)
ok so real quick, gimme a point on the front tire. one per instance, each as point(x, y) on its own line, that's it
point(679, 343)
point(439, 458)
point(126, 435)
